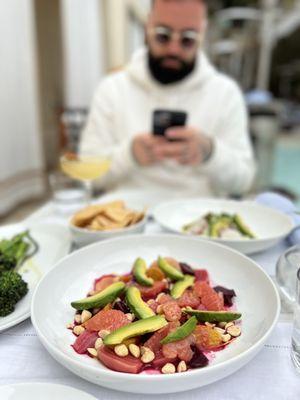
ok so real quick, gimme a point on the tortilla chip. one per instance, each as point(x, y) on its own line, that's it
point(108, 216)
point(85, 216)
point(138, 216)
point(116, 214)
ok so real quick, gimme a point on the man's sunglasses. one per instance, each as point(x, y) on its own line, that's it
point(188, 39)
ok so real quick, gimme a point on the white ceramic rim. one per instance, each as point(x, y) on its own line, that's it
point(220, 240)
point(27, 314)
point(132, 377)
point(87, 232)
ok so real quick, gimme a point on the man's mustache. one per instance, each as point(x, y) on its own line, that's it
point(171, 58)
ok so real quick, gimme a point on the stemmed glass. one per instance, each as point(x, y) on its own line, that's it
point(85, 168)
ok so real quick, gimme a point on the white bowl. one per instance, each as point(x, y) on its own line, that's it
point(82, 236)
point(257, 299)
point(270, 226)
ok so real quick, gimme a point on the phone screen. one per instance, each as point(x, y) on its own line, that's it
point(165, 119)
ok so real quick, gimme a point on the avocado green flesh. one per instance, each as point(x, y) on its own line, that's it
point(214, 316)
point(170, 271)
point(100, 299)
point(242, 227)
point(180, 286)
point(136, 304)
point(133, 329)
point(139, 272)
point(182, 332)
point(218, 226)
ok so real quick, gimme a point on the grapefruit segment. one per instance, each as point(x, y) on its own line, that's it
point(109, 320)
point(207, 338)
point(210, 299)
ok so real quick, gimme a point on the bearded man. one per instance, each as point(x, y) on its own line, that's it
point(212, 153)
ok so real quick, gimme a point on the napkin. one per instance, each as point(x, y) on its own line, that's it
point(283, 204)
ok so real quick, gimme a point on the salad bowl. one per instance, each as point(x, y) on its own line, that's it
point(269, 226)
point(257, 299)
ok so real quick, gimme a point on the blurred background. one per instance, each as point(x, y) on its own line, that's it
point(53, 54)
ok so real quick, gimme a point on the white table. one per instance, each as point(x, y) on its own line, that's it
point(270, 375)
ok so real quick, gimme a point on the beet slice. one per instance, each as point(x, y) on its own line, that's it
point(128, 364)
point(121, 306)
point(187, 269)
point(199, 360)
point(228, 295)
point(160, 361)
point(84, 341)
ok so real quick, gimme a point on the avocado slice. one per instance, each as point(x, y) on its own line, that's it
point(139, 272)
point(242, 227)
point(182, 332)
point(213, 316)
point(136, 304)
point(137, 328)
point(170, 271)
point(100, 299)
point(218, 225)
point(180, 286)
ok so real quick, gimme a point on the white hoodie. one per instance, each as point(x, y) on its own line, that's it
point(123, 107)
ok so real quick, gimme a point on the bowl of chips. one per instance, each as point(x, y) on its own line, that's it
point(104, 221)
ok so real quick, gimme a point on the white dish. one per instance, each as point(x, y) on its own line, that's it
point(82, 236)
point(257, 299)
point(270, 226)
point(54, 243)
point(45, 391)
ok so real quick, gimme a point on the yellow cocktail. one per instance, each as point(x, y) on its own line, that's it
point(84, 168)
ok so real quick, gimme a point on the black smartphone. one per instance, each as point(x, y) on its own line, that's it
point(165, 119)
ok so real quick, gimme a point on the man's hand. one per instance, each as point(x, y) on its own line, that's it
point(145, 149)
point(190, 147)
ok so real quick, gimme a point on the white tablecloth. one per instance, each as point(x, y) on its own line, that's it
point(270, 375)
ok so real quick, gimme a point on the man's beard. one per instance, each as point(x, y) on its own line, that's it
point(167, 75)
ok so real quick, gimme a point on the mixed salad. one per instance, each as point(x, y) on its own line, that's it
point(13, 253)
point(161, 319)
point(223, 225)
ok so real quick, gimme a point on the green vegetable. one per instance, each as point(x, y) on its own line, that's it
point(182, 332)
point(214, 316)
point(136, 304)
point(168, 269)
point(99, 300)
point(138, 328)
point(180, 286)
point(12, 290)
point(15, 251)
point(139, 272)
point(242, 227)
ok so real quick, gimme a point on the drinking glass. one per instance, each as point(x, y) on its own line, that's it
point(84, 168)
point(295, 352)
point(286, 273)
point(68, 194)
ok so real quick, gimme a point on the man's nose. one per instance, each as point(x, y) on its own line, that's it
point(174, 47)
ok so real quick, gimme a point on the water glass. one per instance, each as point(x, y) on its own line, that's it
point(295, 353)
point(286, 273)
point(69, 195)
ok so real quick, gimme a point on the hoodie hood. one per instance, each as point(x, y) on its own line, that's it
point(139, 72)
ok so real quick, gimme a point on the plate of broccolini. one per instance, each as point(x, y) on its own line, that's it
point(26, 254)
